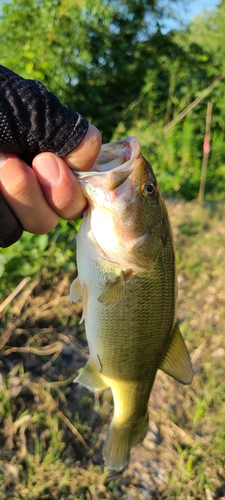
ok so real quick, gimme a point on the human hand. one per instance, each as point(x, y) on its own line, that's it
point(39, 196)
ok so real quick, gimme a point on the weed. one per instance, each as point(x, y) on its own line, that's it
point(52, 431)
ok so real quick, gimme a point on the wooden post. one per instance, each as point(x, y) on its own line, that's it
point(206, 151)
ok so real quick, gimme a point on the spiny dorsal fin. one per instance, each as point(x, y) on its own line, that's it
point(177, 362)
point(91, 378)
point(113, 291)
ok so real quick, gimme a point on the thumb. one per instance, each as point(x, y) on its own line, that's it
point(84, 156)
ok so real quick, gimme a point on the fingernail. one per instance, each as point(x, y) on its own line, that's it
point(47, 169)
point(3, 159)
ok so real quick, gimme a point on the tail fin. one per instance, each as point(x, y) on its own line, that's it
point(116, 451)
point(120, 440)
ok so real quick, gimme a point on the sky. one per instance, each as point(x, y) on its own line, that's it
point(193, 7)
point(196, 6)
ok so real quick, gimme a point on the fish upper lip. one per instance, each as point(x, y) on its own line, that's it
point(116, 153)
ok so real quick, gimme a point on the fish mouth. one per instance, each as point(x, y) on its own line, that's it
point(114, 163)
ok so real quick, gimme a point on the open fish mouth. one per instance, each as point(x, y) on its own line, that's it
point(119, 157)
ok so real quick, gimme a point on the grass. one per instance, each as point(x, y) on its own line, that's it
point(52, 431)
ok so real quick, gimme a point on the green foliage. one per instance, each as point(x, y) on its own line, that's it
point(88, 52)
point(111, 61)
point(42, 413)
point(115, 63)
point(49, 253)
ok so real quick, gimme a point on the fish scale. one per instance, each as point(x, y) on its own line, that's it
point(127, 279)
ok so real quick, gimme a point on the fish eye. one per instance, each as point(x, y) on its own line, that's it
point(149, 188)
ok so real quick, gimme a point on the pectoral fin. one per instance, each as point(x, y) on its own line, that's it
point(113, 291)
point(85, 303)
point(75, 290)
point(90, 378)
point(78, 292)
point(177, 362)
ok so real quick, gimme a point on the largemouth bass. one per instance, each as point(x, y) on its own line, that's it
point(127, 279)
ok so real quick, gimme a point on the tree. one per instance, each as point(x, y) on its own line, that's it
point(93, 54)
point(112, 61)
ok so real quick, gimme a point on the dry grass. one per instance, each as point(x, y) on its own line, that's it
point(52, 431)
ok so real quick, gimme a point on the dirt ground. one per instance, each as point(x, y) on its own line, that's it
point(52, 431)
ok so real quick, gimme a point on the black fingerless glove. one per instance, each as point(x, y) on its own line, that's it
point(32, 120)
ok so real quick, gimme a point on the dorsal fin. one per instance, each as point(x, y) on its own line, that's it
point(177, 362)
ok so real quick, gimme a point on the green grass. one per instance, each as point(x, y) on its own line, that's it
point(51, 431)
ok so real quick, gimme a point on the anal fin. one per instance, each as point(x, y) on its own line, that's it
point(91, 378)
point(177, 362)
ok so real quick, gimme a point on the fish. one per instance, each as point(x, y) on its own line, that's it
point(127, 281)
